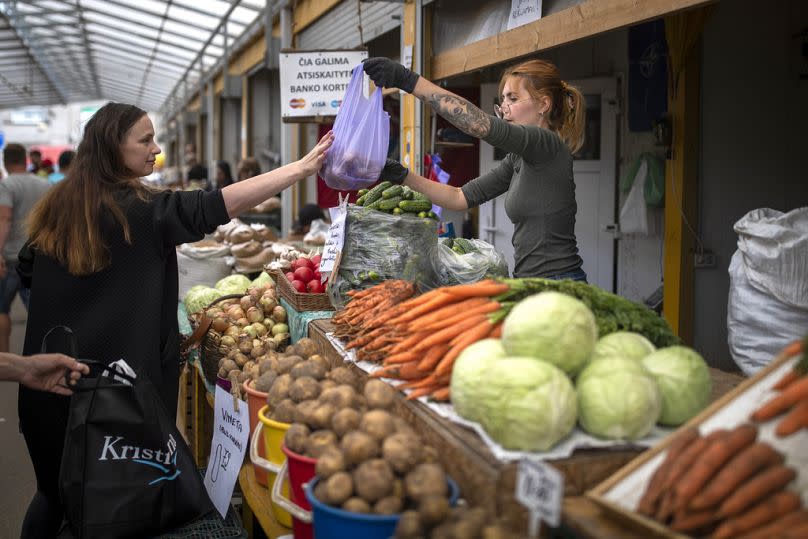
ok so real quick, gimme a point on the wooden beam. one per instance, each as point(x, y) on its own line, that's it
point(308, 11)
point(681, 195)
point(408, 120)
point(583, 20)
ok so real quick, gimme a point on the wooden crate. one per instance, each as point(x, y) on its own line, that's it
point(300, 302)
point(486, 481)
point(636, 520)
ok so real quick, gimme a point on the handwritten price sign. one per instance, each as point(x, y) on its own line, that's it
point(540, 488)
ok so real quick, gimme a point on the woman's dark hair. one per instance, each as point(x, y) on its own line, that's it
point(66, 223)
point(224, 166)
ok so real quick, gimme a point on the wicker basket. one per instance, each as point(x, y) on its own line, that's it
point(300, 302)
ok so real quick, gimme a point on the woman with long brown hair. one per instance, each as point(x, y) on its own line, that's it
point(540, 122)
point(101, 260)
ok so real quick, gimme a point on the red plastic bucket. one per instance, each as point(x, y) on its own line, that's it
point(255, 401)
point(301, 470)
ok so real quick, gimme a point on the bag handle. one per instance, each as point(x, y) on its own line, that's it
point(74, 347)
point(203, 325)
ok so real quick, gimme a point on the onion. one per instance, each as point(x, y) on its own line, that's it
point(280, 337)
point(250, 330)
point(228, 340)
point(235, 312)
point(233, 331)
point(258, 351)
point(255, 314)
point(213, 312)
point(268, 304)
point(260, 329)
point(279, 314)
point(246, 302)
point(220, 323)
point(245, 343)
point(268, 323)
point(242, 322)
point(241, 359)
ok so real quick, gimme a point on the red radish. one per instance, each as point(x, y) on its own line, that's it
point(304, 262)
point(316, 260)
point(290, 276)
point(304, 274)
point(314, 286)
point(299, 285)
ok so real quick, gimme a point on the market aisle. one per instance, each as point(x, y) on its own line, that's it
point(18, 482)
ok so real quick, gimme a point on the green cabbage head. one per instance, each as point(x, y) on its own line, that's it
point(684, 379)
point(261, 280)
point(198, 298)
point(529, 404)
point(551, 326)
point(618, 399)
point(626, 344)
point(469, 375)
point(233, 284)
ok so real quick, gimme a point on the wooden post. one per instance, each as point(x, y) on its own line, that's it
point(245, 117)
point(410, 122)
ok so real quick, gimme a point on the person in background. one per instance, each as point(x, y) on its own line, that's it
point(36, 161)
point(307, 214)
point(198, 177)
point(540, 122)
point(247, 168)
point(223, 175)
point(18, 194)
point(95, 240)
point(65, 159)
point(43, 372)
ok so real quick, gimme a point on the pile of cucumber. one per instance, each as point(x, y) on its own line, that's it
point(396, 199)
point(460, 246)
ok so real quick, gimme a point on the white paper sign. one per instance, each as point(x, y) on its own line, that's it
point(314, 83)
point(231, 431)
point(523, 12)
point(333, 242)
point(540, 488)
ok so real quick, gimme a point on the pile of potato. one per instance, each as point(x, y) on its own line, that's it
point(459, 522)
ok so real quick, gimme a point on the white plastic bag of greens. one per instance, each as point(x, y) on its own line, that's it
point(768, 295)
point(380, 246)
point(460, 261)
point(200, 265)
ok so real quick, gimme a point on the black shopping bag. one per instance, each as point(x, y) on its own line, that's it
point(126, 471)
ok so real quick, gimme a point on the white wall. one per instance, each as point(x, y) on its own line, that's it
point(754, 139)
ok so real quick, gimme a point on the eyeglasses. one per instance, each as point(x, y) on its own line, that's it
point(506, 107)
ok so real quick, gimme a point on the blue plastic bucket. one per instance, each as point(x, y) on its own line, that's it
point(335, 523)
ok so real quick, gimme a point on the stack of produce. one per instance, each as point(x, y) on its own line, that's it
point(793, 398)
point(198, 297)
point(461, 521)
point(304, 275)
point(396, 199)
point(463, 261)
point(725, 485)
point(368, 460)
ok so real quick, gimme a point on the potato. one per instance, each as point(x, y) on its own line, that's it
point(377, 423)
point(341, 397)
point(296, 437)
point(304, 388)
point(321, 360)
point(358, 446)
point(265, 380)
point(242, 377)
point(356, 505)
point(319, 441)
point(373, 480)
point(309, 368)
point(320, 492)
point(338, 488)
point(306, 347)
point(286, 362)
point(433, 509)
point(398, 488)
point(330, 462)
point(320, 417)
point(279, 390)
point(304, 410)
point(409, 526)
point(344, 421)
point(379, 394)
point(404, 428)
point(425, 480)
point(227, 365)
point(344, 375)
point(327, 384)
point(402, 452)
point(284, 412)
point(389, 505)
point(431, 454)
point(495, 531)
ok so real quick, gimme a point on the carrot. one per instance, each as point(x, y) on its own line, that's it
point(799, 531)
point(764, 512)
point(415, 383)
point(649, 500)
point(471, 336)
point(364, 339)
point(790, 377)
point(760, 486)
point(408, 343)
point(401, 357)
point(432, 357)
point(422, 391)
point(496, 333)
point(484, 308)
point(423, 298)
point(441, 394)
point(399, 371)
point(794, 393)
point(741, 467)
point(711, 461)
point(444, 312)
point(795, 420)
point(686, 522)
point(779, 527)
point(447, 334)
point(485, 288)
point(437, 301)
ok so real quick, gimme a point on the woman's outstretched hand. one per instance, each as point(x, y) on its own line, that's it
point(312, 161)
point(386, 73)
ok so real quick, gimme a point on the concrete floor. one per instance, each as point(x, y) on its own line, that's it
point(17, 483)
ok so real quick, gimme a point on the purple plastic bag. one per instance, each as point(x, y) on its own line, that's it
point(361, 137)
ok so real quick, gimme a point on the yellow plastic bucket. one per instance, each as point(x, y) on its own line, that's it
point(273, 433)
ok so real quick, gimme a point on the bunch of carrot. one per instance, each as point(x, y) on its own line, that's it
point(725, 484)
point(419, 340)
point(793, 397)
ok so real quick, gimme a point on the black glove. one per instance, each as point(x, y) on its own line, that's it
point(389, 74)
point(393, 172)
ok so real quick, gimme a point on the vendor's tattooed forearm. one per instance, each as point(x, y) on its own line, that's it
point(461, 113)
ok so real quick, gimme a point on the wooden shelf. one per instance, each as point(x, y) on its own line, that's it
point(447, 144)
point(257, 502)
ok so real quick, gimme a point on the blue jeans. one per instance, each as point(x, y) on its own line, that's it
point(10, 285)
point(576, 275)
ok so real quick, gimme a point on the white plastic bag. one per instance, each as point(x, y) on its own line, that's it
point(768, 297)
point(634, 214)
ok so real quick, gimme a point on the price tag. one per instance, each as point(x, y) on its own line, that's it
point(231, 431)
point(335, 237)
point(540, 488)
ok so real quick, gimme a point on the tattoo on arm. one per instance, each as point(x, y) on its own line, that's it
point(461, 113)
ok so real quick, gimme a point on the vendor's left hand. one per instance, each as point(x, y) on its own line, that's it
point(393, 172)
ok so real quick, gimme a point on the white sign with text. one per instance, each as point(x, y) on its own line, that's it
point(231, 432)
point(334, 238)
point(540, 488)
point(523, 12)
point(314, 83)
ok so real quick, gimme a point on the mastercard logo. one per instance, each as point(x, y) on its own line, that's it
point(297, 103)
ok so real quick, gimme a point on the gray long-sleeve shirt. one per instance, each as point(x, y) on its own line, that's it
point(540, 200)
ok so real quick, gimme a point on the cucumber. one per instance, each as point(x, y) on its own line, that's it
point(387, 204)
point(420, 196)
point(362, 192)
point(415, 206)
point(408, 193)
point(376, 193)
point(360, 201)
point(394, 191)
